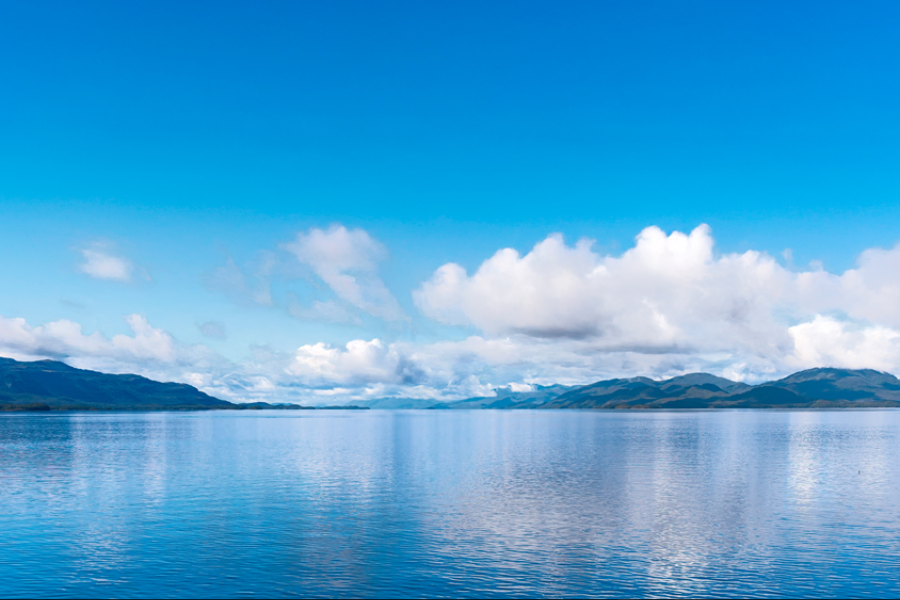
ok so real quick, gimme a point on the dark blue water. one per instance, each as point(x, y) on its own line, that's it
point(444, 503)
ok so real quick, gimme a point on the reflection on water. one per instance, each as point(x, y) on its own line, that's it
point(440, 503)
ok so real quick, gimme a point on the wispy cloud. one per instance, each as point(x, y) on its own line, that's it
point(328, 312)
point(337, 261)
point(255, 288)
point(213, 329)
point(347, 261)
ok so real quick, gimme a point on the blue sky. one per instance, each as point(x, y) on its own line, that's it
point(179, 140)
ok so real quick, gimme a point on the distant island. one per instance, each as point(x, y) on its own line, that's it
point(46, 385)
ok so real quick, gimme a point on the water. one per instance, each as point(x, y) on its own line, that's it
point(445, 503)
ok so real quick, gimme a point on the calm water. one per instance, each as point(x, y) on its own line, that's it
point(441, 503)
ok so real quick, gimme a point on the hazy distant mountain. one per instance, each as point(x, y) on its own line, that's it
point(507, 398)
point(815, 387)
point(396, 403)
point(49, 383)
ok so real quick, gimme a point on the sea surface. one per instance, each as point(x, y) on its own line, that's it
point(450, 503)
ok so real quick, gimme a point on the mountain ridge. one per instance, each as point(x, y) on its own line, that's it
point(44, 385)
point(820, 387)
point(53, 385)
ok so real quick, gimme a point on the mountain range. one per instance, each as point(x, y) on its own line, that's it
point(816, 388)
point(53, 385)
point(811, 388)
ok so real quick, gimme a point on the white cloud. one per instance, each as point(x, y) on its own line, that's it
point(344, 261)
point(347, 261)
point(101, 263)
point(557, 314)
point(869, 292)
point(667, 292)
point(521, 387)
point(360, 362)
point(65, 338)
point(671, 297)
point(827, 341)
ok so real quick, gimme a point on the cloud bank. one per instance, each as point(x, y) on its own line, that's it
point(65, 338)
point(559, 313)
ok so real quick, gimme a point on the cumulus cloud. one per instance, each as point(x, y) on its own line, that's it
point(359, 362)
point(828, 341)
point(673, 296)
point(870, 292)
point(101, 263)
point(347, 261)
point(65, 338)
point(666, 291)
point(372, 368)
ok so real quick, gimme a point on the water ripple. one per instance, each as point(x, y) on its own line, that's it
point(449, 504)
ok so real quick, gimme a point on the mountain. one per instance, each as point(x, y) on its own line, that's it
point(687, 391)
point(505, 398)
point(47, 384)
point(811, 388)
point(843, 384)
point(699, 379)
point(508, 398)
point(395, 403)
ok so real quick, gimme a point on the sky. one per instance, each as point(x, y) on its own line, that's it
point(323, 202)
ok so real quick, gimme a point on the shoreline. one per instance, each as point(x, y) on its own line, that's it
point(93, 409)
